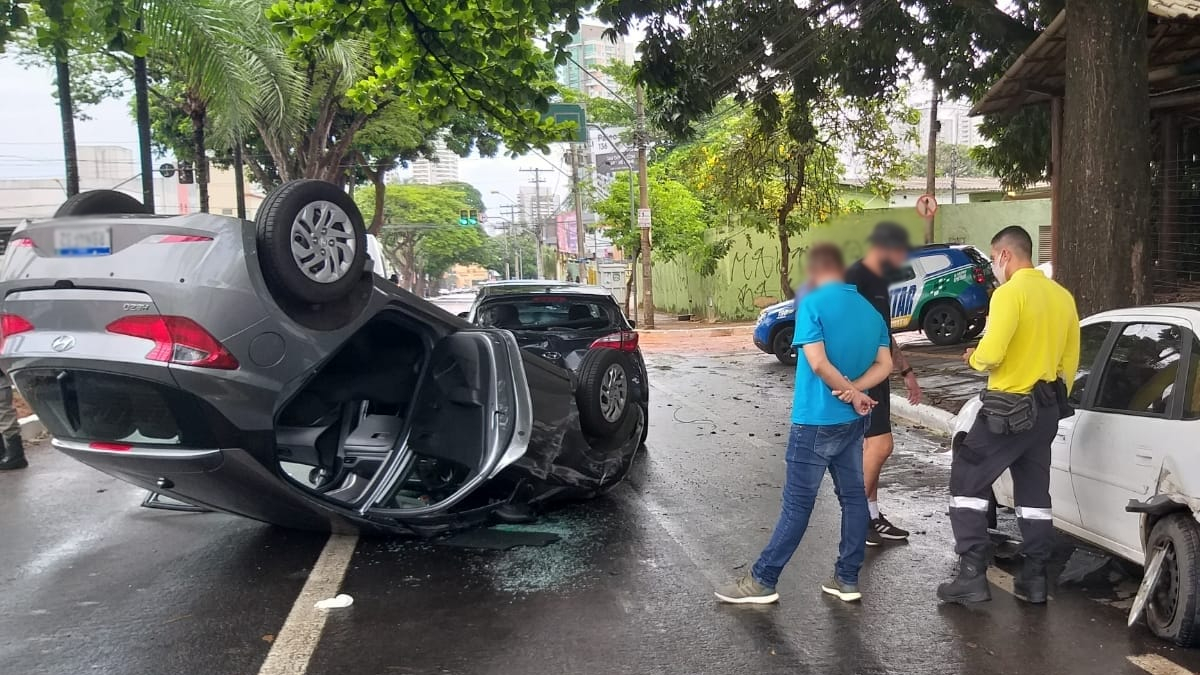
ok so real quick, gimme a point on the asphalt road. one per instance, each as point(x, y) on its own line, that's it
point(91, 583)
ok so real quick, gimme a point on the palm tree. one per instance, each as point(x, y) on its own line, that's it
point(232, 68)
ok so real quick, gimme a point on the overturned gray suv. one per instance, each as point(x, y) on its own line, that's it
point(261, 369)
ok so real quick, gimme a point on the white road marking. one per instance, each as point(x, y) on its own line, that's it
point(297, 640)
point(1157, 665)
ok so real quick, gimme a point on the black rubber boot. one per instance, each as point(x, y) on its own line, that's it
point(14, 455)
point(1030, 584)
point(971, 584)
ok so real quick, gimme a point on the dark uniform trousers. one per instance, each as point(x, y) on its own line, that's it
point(982, 458)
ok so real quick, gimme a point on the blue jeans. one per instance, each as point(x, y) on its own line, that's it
point(811, 450)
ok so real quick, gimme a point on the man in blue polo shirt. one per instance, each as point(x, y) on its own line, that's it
point(846, 350)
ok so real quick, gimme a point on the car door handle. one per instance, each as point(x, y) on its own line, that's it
point(1144, 457)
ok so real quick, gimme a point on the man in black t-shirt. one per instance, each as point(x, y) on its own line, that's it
point(887, 251)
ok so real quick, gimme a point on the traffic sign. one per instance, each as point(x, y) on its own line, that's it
point(570, 112)
point(926, 206)
point(166, 169)
point(644, 218)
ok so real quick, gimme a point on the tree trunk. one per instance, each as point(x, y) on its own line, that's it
point(66, 113)
point(197, 113)
point(785, 260)
point(141, 97)
point(1102, 250)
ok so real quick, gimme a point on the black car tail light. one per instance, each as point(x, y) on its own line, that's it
point(625, 341)
point(980, 278)
point(176, 339)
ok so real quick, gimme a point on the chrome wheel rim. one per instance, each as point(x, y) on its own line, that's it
point(614, 391)
point(323, 242)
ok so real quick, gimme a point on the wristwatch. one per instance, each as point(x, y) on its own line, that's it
point(905, 372)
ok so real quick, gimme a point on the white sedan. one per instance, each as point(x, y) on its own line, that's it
point(1132, 443)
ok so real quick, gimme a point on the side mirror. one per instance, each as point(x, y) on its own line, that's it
point(463, 315)
point(632, 323)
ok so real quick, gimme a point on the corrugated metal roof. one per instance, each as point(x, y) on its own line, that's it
point(1038, 74)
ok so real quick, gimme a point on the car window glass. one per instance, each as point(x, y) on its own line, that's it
point(976, 256)
point(935, 263)
point(1139, 376)
point(1091, 338)
point(547, 313)
point(903, 273)
point(1191, 402)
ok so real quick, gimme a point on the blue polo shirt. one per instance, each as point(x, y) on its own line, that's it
point(852, 331)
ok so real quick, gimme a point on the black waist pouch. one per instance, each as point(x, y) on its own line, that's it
point(1006, 413)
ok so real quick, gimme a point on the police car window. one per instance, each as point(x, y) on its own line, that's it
point(901, 274)
point(932, 264)
point(1139, 376)
point(1091, 338)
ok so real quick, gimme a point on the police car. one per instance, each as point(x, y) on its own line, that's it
point(943, 290)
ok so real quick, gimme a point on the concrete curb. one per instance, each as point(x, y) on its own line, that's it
point(934, 419)
point(32, 428)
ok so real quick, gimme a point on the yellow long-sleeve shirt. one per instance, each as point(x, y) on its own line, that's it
point(1032, 334)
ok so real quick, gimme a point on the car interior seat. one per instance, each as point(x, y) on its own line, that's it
point(505, 316)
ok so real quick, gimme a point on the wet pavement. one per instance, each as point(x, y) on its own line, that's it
point(94, 584)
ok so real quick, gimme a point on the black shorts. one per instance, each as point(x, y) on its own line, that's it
point(881, 416)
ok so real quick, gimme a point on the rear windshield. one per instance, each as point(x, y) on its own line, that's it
point(91, 406)
point(549, 312)
point(977, 257)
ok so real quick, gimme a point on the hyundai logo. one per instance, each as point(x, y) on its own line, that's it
point(62, 343)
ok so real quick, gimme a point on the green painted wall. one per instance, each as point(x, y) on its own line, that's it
point(747, 278)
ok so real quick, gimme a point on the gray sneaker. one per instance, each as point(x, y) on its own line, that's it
point(841, 590)
point(746, 591)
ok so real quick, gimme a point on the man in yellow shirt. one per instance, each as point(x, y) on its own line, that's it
point(1030, 352)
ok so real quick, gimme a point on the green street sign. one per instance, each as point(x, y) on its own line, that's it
point(570, 112)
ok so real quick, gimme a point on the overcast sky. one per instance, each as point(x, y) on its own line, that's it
point(31, 139)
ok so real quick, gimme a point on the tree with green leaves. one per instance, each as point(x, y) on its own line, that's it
point(952, 160)
point(421, 233)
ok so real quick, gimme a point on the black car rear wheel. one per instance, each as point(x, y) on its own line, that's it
point(604, 396)
point(312, 241)
point(100, 203)
point(944, 324)
point(975, 328)
point(781, 346)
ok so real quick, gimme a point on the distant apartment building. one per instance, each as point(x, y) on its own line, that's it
point(443, 168)
point(114, 167)
point(540, 202)
point(955, 124)
point(592, 51)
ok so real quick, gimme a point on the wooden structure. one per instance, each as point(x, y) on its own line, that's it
point(1037, 77)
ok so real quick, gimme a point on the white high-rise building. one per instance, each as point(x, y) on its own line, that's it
point(956, 127)
point(442, 169)
point(531, 199)
point(592, 51)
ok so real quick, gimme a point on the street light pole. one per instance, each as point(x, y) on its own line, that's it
point(644, 203)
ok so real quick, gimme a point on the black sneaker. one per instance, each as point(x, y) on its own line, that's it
point(885, 530)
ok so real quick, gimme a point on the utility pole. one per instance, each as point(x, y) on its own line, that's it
point(511, 211)
point(540, 229)
point(580, 230)
point(644, 203)
point(931, 158)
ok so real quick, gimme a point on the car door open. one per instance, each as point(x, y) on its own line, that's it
point(471, 418)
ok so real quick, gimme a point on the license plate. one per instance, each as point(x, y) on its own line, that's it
point(83, 241)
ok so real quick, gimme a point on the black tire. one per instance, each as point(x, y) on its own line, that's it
point(1173, 611)
point(279, 222)
point(974, 329)
point(645, 427)
point(605, 393)
point(100, 203)
point(944, 323)
point(781, 345)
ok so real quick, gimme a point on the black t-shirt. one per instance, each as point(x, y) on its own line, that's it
point(872, 287)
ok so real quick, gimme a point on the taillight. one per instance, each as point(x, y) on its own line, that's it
point(176, 339)
point(626, 341)
point(979, 276)
point(21, 242)
point(11, 324)
point(181, 238)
